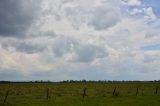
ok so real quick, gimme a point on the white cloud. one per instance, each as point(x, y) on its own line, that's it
point(136, 11)
point(149, 14)
point(132, 2)
point(100, 15)
point(24, 63)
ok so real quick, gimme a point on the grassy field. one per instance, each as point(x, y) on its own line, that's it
point(80, 94)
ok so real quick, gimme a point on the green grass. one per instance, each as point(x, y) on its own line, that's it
point(70, 94)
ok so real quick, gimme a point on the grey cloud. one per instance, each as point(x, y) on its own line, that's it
point(63, 45)
point(104, 18)
point(17, 16)
point(29, 48)
point(38, 33)
point(87, 53)
point(151, 59)
point(150, 35)
point(81, 52)
point(23, 46)
point(48, 33)
point(8, 75)
point(99, 17)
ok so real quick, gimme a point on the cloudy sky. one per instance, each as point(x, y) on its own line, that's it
point(79, 39)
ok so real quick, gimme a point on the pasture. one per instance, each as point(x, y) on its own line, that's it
point(80, 94)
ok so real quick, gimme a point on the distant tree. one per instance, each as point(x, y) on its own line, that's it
point(84, 81)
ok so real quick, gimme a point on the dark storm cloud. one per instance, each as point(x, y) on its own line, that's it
point(16, 16)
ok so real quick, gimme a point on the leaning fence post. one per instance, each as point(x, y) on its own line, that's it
point(5, 99)
point(84, 92)
point(114, 91)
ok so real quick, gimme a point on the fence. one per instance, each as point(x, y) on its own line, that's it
point(52, 93)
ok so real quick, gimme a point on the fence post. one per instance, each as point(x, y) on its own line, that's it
point(114, 91)
point(84, 92)
point(6, 96)
point(47, 94)
point(156, 92)
point(137, 91)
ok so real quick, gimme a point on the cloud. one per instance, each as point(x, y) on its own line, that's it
point(63, 45)
point(78, 52)
point(70, 39)
point(23, 62)
point(22, 46)
point(149, 14)
point(88, 53)
point(17, 17)
point(153, 34)
point(7, 74)
point(100, 15)
point(132, 2)
point(105, 17)
point(136, 11)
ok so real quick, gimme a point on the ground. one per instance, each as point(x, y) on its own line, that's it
point(73, 94)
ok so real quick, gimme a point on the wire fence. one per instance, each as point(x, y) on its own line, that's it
point(53, 92)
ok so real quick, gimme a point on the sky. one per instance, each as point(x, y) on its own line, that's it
point(79, 39)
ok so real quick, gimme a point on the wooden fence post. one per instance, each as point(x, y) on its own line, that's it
point(84, 92)
point(47, 94)
point(137, 91)
point(114, 91)
point(156, 92)
point(6, 96)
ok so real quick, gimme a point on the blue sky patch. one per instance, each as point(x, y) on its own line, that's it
point(151, 47)
point(155, 4)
